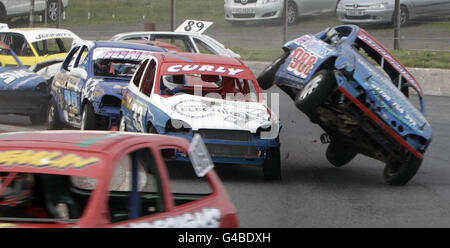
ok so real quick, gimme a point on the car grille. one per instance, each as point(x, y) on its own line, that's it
point(243, 15)
point(248, 1)
point(364, 17)
point(232, 151)
point(233, 135)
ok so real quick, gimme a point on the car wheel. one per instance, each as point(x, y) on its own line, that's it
point(340, 154)
point(292, 12)
point(272, 164)
point(122, 125)
point(53, 121)
point(52, 10)
point(38, 119)
point(151, 129)
point(400, 173)
point(404, 16)
point(3, 17)
point(267, 76)
point(316, 91)
point(88, 118)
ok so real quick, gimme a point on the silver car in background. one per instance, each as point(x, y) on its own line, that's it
point(382, 11)
point(238, 11)
point(12, 8)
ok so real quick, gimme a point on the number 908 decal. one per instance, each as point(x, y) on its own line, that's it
point(302, 62)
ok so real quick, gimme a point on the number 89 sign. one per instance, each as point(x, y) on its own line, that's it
point(302, 62)
point(193, 26)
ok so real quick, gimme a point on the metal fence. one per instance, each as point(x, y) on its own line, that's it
point(101, 19)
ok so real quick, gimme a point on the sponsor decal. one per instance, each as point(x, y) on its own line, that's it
point(117, 53)
point(302, 62)
point(194, 26)
point(11, 76)
point(205, 218)
point(204, 68)
point(44, 159)
point(53, 35)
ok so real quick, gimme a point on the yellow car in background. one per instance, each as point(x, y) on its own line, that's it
point(36, 46)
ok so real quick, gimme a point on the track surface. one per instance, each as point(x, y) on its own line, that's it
point(312, 193)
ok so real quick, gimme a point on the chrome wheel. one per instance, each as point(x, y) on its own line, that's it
point(52, 10)
point(310, 87)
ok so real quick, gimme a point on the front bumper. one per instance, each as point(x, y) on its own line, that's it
point(253, 12)
point(368, 17)
point(251, 151)
point(23, 102)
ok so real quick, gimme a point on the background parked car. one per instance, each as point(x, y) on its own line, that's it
point(255, 10)
point(12, 8)
point(382, 11)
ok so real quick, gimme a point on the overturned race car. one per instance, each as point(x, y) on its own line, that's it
point(216, 96)
point(357, 91)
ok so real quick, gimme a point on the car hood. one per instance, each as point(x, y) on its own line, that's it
point(210, 113)
point(13, 78)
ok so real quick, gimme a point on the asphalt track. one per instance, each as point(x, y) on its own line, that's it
point(312, 193)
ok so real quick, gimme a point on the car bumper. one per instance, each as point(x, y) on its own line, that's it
point(249, 152)
point(236, 12)
point(369, 16)
point(22, 102)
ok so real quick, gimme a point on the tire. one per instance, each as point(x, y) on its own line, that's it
point(404, 16)
point(292, 12)
point(3, 16)
point(41, 117)
point(272, 164)
point(340, 154)
point(400, 173)
point(267, 77)
point(52, 10)
point(53, 120)
point(151, 129)
point(88, 118)
point(122, 125)
point(316, 91)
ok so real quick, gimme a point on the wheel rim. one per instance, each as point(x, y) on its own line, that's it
point(291, 13)
point(403, 16)
point(310, 87)
point(51, 114)
point(83, 120)
point(122, 124)
point(53, 11)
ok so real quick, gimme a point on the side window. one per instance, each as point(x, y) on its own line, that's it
point(19, 45)
point(139, 72)
point(70, 59)
point(149, 77)
point(135, 189)
point(186, 186)
point(179, 41)
point(203, 47)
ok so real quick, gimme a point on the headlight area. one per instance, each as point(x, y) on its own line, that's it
point(177, 126)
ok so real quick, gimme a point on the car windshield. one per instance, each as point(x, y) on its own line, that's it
point(213, 86)
point(117, 62)
point(52, 46)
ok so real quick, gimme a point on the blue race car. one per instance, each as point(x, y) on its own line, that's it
point(87, 91)
point(357, 92)
point(22, 91)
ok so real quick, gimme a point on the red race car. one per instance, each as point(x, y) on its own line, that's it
point(108, 179)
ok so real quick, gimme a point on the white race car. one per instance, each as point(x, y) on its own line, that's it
point(182, 94)
point(188, 37)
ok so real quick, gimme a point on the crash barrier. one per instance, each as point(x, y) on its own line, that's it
point(433, 81)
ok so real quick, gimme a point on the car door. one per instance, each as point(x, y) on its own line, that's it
point(14, 7)
point(67, 88)
point(143, 113)
point(314, 7)
point(424, 7)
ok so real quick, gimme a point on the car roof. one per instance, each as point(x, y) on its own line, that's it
point(199, 58)
point(92, 141)
point(34, 34)
point(159, 32)
point(119, 44)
